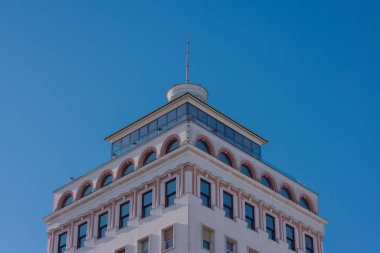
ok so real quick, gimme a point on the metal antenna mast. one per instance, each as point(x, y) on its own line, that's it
point(187, 58)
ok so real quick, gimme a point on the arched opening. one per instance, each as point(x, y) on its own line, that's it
point(225, 158)
point(266, 181)
point(127, 169)
point(150, 157)
point(246, 170)
point(87, 190)
point(202, 145)
point(107, 179)
point(173, 145)
point(305, 203)
point(286, 193)
point(67, 200)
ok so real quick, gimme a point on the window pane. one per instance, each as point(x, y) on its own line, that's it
point(129, 168)
point(285, 192)
point(265, 181)
point(225, 159)
point(203, 146)
point(246, 171)
point(149, 158)
point(173, 145)
point(86, 191)
point(107, 180)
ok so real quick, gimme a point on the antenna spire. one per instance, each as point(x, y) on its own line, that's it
point(187, 57)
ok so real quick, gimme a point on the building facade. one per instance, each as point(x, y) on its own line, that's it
point(185, 179)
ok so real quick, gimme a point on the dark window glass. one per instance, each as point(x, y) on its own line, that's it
point(286, 193)
point(193, 111)
point(143, 131)
point(225, 159)
point(305, 204)
point(161, 122)
point(129, 168)
point(62, 238)
point(134, 137)
point(146, 204)
point(82, 233)
point(250, 216)
point(270, 226)
point(144, 246)
point(212, 123)
point(150, 158)
point(238, 138)
point(173, 145)
point(206, 245)
point(246, 171)
point(228, 205)
point(229, 247)
point(220, 128)
point(67, 201)
point(86, 191)
point(124, 215)
point(126, 141)
point(170, 192)
point(102, 225)
point(309, 244)
point(116, 146)
point(172, 115)
point(229, 133)
point(153, 126)
point(181, 110)
point(202, 117)
point(203, 146)
point(106, 180)
point(206, 193)
point(266, 181)
point(290, 239)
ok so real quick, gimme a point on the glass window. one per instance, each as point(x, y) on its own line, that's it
point(246, 171)
point(150, 158)
point(143, 131)
point(309, 244)
point(181, 110)
point(135, 137)
point(202, 145)
point(225, 159)
point(172, 115)
point(305, 204)
point(290, 239)
point(266, 181)
point(168, 238)
point(86, 191)
point(228, 205)
point(250, 216)
point(161, 122)
point(270, 227)
point(124, 215)
point(62, 238)
point(128, 168)
point(67, 201)
point(106, 180)
point(230, 247)
point(173, 145)
point(126, 141)
point(82, 233)
point(153, 126)
point(193, 111)
point(206, 193)
point(144, 246)
point(286, 193)
point(202, 117)
point(170, 192)
point(102, 225)
point(116, 146)
point(146, 204)
point(207, 238)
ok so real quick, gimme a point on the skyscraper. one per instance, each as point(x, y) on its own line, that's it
point(185, 178)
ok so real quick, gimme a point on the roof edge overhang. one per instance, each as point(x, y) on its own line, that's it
point(182, 99)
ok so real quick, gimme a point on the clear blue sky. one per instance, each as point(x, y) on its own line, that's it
point(303, 74)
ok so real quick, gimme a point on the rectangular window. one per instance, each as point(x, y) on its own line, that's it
point(102, 225)
point(62, 242)
point(270, 226)
point(250, 216)
point(168, 237)
point(170, 192)
point(124, 215)
point(207, 235)
point(206, 193)
point(290, 239)
point(230, 246)
point(309, 244)
point(228, 205)
point(144, 246)
point(82, 233)
point(146, 204)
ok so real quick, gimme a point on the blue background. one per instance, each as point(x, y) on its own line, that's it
point(303, 74)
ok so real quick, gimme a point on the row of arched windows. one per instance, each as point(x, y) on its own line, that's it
point(172, 144)
point(126, 168)
point(247, 169)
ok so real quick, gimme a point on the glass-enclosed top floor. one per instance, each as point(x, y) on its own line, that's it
point(186, 111)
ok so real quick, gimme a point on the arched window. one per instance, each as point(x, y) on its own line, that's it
point(86, 191)
point(150, 158)
point(246, 171)
point(67, 201)
point(128, 168)
point(267, 182)
point(202, 145)
point(173, 145)
point(106, 180)
point(225, 158)
point(305, 204)
point(286, 193)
